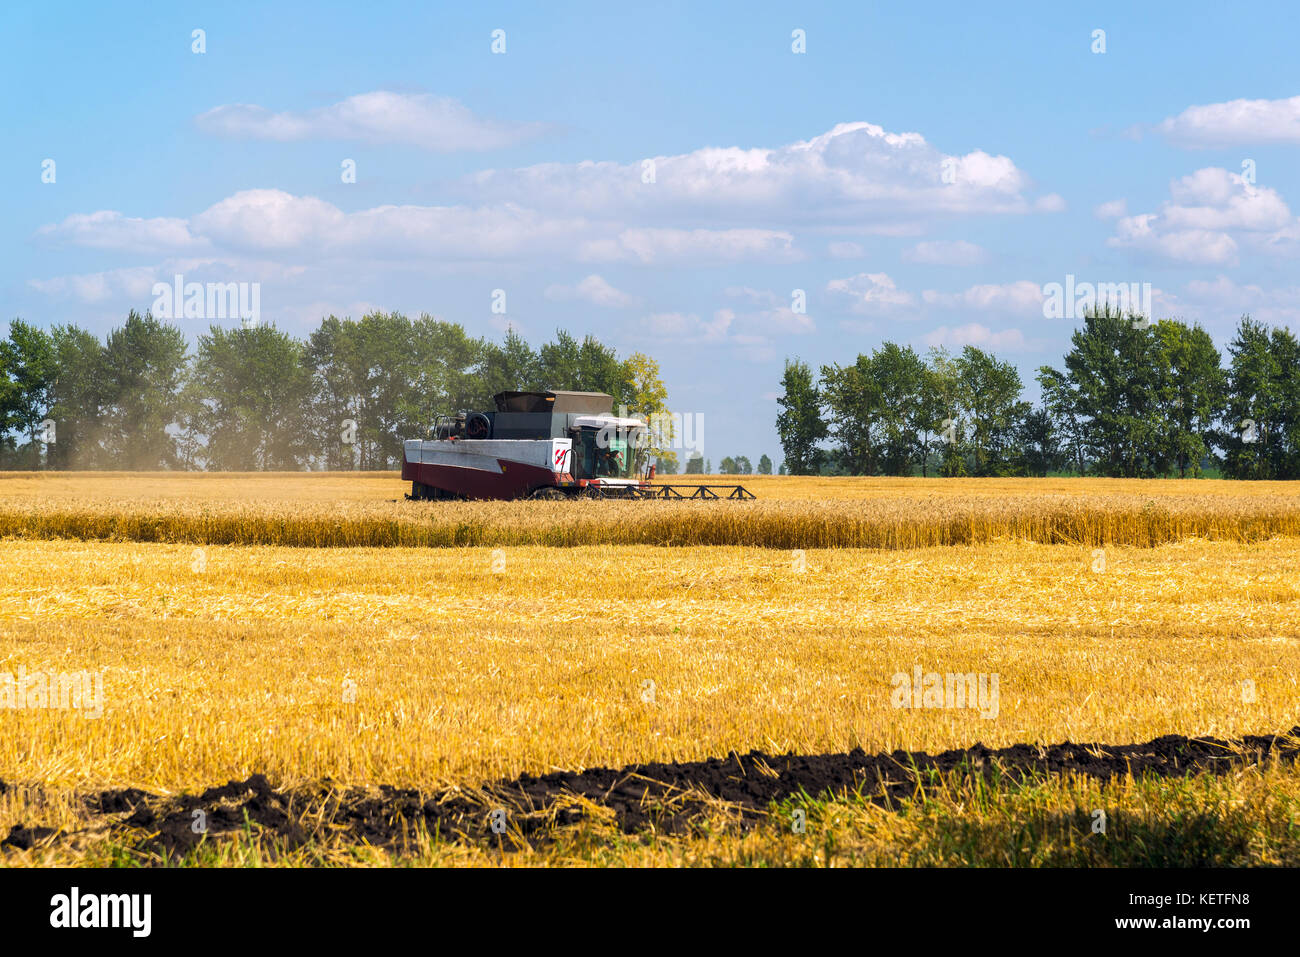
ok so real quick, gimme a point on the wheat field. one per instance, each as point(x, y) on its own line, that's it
point(461, 664)
point(341, 510)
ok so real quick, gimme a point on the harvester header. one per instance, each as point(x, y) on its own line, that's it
point(554, 445)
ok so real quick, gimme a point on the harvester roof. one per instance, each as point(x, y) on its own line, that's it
point(589, 403)
point(605, 422)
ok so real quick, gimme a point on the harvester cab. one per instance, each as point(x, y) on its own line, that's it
point(607, 448)
point(540, 445)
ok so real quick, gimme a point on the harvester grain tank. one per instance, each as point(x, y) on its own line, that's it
point(541, 445)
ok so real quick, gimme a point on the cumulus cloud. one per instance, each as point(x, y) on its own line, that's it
point(308, 314)
point(437, 123)
point(1213, 198)
point(756, 297)
point(707, 207)
point(273, 222)
point(271, 219)
point(1201, 247)
point(711, 206)
point(277, 230)
point(974, 334)
point(845, 250)
point(1235, 123)
point(856, 174)
point(1209, 215)
point(1224, 300)
point(749, 332)
point(946, 253)
point(108, 229)
point(870, 293)
point(594, 289)
point(1113, 209)
point(132, 283)
point(1018, 297)
point(692, 246)
point(777, 315)
point(689, 328)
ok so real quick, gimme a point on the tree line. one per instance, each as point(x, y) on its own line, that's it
point(258, 398)
point(1133, 398)
point(697, 464)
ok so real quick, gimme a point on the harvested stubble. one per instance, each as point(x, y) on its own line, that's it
point(330, 511)
point(425, 667)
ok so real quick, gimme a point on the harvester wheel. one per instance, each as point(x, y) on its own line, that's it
point(550, 494)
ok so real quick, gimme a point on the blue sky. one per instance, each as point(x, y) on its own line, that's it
point(774, 171)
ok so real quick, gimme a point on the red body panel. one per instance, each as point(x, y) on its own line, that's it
point(514, 480)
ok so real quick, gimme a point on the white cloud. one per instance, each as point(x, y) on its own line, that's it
point(1223, 300)
point(692, 246)
point(1235, 123)
point(856, 175)
point(436, 123)
point(267, 233)
point(1285, 242)
point(1213, 198)
point(1018, 297)
point(595, 290)
point(974, 334)
point(308, 315)
point(689, 328)
point(709, 206)
point(782, 320)
point(1210, 214)
point(1112, 210)
point(870, 293)
point(271, 221)
point(749, 333)
point(777, 315)
point(133, 283)
point(947, 253)
point(1200, 247)
point(757, 297)
point(876, 294)
point(108, 229)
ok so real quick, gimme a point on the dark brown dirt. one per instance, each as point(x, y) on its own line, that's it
point(665, 797)
point(25, 838)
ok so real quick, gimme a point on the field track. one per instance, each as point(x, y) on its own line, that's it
point(669, 798)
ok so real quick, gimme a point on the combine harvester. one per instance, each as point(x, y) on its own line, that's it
point(548, 445)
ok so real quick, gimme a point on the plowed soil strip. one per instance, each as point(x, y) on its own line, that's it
point(665, 797)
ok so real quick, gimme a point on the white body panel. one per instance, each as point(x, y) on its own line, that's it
point(486, 454)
